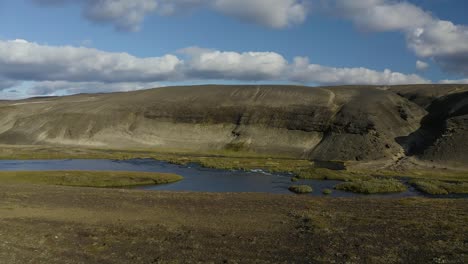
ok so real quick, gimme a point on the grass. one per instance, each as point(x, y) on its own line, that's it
point(434, 174)
point(327, 174)
point(372, 186)
point(104, 179)
point(301, 189)
point(347, 175)
point(238, 163)
point(327, 191)
point(436, 187)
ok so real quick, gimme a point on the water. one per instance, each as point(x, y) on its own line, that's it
point(196, 178)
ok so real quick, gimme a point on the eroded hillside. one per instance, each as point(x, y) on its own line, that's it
point(328, 123)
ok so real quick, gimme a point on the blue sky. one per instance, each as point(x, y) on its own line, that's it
point(344, 43)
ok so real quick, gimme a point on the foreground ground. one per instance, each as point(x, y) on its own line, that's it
point(52, 224)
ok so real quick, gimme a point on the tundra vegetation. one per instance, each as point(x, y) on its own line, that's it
point(103, 179)
point(372, 186)
point(436, 187)
point(299, 189)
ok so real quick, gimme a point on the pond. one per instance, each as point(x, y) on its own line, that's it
point(196, 178)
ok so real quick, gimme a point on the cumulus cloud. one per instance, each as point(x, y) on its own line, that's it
point(382, 15)
point(52, 70)
point(443, 41)
point(302, 71)
point(125, 14)
point(426, 35)
point(460, 81)
point(250, 66)
point(421, 65)
point(128, 15)
point(273, 13)
point(23, 60)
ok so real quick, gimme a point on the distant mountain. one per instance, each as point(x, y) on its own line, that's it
point(352, 123)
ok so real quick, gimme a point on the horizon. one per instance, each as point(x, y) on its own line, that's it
point(237, 84)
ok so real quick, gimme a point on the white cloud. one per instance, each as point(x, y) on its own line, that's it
point(443, 41)
point(304, 72)
point(382, 15)
point(272, 13)
point(22, 60)
point(426, 35)
point(50, 70)
point(460, 81)
point(213, 64)
point(125, 14)
point(421, 65)
point(128, 15)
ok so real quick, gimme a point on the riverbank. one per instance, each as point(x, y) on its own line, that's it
point(57, 224)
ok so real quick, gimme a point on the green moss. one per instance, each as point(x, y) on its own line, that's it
point(372, 186)
point(248, 163)
point(327, 174)
point(88, 178)
point(435, 174)
point(327, 191)
point(351, 175)
point(301, 189)
point(435, 187)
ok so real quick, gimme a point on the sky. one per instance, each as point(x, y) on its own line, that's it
point(62, 47)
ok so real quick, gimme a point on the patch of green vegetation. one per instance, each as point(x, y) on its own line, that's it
point(327, 191)
point(372, 186)
point(435, 187)
point(104, 179)
point(301, 189)
point(435, 174)
point(268, 164)
point(327, 174)
point(294, 179)
point(350, 175)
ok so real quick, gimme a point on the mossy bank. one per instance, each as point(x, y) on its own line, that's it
point(103, 179)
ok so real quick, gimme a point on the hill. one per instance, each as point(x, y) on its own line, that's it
point(350, 123)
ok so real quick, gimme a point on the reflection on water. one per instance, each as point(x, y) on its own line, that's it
point(196, 178)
